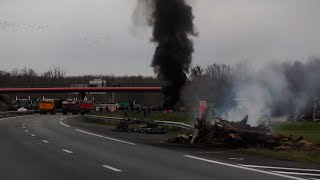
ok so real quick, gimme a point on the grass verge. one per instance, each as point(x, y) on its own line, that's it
point(299, 156)
point(309, 130)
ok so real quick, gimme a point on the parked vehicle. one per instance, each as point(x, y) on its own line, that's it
point(23, 103)
point(86, 106)
point(70, 106)
point(47, 105)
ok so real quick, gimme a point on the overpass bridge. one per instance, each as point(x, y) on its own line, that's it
point(81, 90)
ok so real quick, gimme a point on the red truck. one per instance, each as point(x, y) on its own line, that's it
point(70, 106)
point(86, 106)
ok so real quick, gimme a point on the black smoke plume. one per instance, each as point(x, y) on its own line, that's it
point(172, 22)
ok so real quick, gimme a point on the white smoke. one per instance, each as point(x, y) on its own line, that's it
point(256, 90)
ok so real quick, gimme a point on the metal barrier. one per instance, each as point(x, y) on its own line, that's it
point(162, 123)
point(15, 113)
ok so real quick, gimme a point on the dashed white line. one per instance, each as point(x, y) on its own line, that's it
point(26, 130)
point(45, 141)
point(283, 168)
point(33, 135)
point(242, 167)
point(111, 168)
point(64, 124)
point(113, 139)
point(23, 127)
point(67, 151)
point(296, 173)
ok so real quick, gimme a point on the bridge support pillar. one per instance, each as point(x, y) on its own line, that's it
point(82, 95)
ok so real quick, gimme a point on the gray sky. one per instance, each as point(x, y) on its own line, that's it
point(97, 36)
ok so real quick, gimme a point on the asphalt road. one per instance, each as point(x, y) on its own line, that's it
point(46, 147)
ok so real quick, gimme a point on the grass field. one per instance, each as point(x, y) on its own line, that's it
point(309, 130)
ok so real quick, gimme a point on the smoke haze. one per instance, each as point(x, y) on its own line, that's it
point(273, 89)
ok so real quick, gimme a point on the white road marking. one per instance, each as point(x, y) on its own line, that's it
point(111, 168)
point(64, 124)
point(63, 118)
point(237, 159)
point(209, 152)
point(45, 141)
point(113, 139)
point(26, 130)
point(296, 173)
point(33, 135)
point(67, 151)
point(242, 167)
point(23, 127)
point(283, 168)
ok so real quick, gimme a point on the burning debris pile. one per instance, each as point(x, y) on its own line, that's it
point(239, 134)
point(140, 126)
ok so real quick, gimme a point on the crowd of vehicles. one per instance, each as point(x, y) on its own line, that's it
point(46, 105)
point(75, 106)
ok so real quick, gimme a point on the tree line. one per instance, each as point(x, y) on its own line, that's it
point(56, 77)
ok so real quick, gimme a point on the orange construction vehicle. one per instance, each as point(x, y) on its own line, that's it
point(47, 105)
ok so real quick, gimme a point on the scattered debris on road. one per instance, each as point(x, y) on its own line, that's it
point(139, 126)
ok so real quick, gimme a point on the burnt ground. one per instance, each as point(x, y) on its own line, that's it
point(205, 151)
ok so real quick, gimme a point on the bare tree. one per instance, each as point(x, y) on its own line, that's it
point(196, 72)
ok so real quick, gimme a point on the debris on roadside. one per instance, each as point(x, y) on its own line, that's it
point(139, 126)
point(224, 133)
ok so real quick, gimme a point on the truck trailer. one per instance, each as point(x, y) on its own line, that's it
point(70, 106)
point(47, 105)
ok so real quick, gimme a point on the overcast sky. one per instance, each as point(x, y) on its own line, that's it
point(97, 36)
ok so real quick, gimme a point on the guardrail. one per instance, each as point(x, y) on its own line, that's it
point(162, 123)
point(15, 113)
